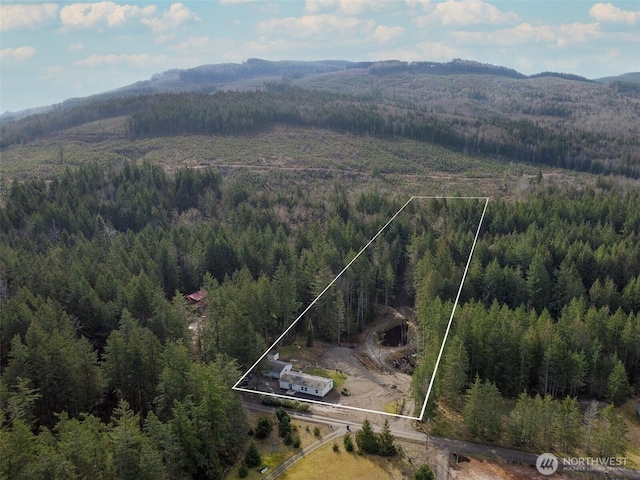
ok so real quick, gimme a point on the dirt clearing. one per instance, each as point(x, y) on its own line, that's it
point(367, 389)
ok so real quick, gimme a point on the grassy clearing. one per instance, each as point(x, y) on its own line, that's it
point(325, 464)
point(395, 407)
point(390, 407)
point(300, 355)
point(337, 377)
point(273, 450)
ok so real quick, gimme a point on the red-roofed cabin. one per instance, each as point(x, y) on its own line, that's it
point(196, 298)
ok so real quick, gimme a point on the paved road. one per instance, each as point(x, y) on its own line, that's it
point(487, 451)
point(403, 429)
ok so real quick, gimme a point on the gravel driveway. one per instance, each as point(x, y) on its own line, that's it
point(368, 389)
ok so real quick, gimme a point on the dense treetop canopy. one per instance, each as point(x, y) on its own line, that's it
point(95, 263)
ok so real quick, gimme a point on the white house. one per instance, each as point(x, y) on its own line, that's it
point(277, 368)
point(305, 383)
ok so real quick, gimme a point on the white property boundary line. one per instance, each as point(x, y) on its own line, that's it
point(444, 340)
point(453, 311)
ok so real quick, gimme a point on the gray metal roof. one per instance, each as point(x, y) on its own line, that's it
point(277, 365)
point(310, 381)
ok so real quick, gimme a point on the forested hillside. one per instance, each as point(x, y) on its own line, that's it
point(108, 371)
point(95, 262)
point(553, 119)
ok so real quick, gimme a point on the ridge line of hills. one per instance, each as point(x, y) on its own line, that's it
point(558, 120)
point(215, 76)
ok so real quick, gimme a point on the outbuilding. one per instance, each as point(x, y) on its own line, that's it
point(277, 368)
point(196, 297)
point(305, 383)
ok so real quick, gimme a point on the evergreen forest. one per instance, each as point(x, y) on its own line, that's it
point(107, 370)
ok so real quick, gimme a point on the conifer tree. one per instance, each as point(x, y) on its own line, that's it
point(481, 412)
point(424, 473)
point(243, 471)
point(570, 429)
point(367, 439)
point(454, 374)
point(253, 458)
point(348, 442)
point(618, 388)
point(263, 428)
point(310, 336)
point(610, 434)
point(386, 445)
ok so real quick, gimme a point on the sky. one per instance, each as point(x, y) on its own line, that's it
point(52, 51)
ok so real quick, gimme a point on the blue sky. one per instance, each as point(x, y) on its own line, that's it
point(51, 51)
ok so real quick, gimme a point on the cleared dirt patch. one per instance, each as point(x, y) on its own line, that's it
point(484, 470)
point(368, 389)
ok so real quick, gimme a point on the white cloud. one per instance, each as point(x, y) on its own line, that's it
point(20, 53)
point(349, 7)
point(424, 4)
point(89, 15)
point(576, 33)
point(143, 60)
point(606, 12)
point(322, 27)
point(262, 6)
point(330, 28)
point(315, 6)
point(437, 51)
point(207, 50)
point(561, 35)
point(15, 16)
point(383, 34)
point(171, 19)
point(201, 50)
point(76, 47)
point(197, 44)
point(164, 37)
point(110, 14)
point(466, 12)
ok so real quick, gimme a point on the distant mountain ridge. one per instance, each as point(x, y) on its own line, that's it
point(557, 119)
point(631, 77)
point(214, 77)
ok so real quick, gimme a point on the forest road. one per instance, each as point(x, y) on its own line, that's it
point(372, 346)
